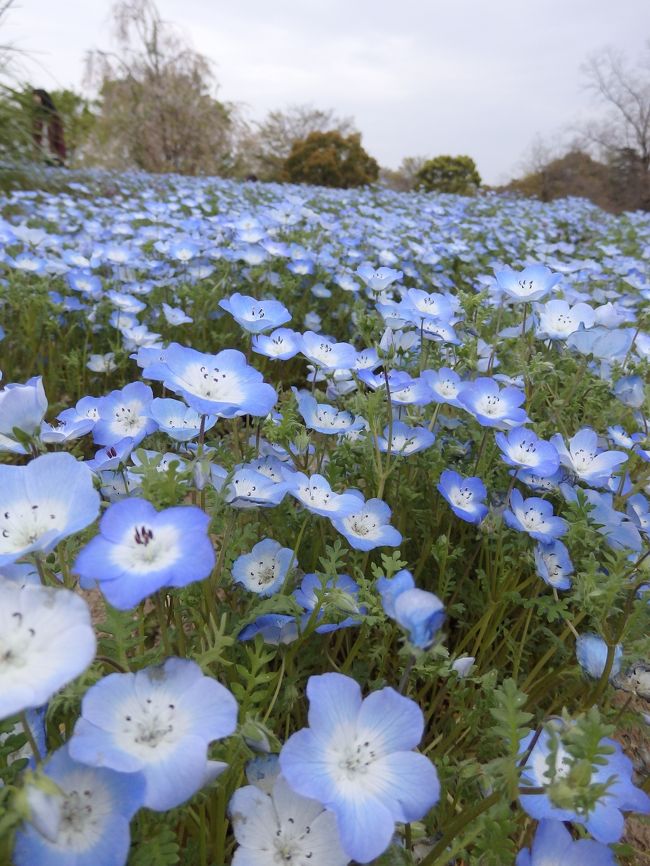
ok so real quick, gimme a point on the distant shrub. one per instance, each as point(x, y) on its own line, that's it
point(455, 174)
point(329, 159)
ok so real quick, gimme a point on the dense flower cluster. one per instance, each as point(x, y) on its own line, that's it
point(284, 445)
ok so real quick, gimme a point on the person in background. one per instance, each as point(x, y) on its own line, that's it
point(46, 115)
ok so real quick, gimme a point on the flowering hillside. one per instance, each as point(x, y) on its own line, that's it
point(324, 526)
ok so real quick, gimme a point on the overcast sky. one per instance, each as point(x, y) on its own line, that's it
point(420, 77)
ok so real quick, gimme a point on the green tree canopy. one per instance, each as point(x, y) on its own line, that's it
point(454, 174)
point(330, 159)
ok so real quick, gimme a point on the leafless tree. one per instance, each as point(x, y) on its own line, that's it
point(623, 135)
point(158, 106)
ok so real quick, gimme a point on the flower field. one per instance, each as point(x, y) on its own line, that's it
point(324, 526)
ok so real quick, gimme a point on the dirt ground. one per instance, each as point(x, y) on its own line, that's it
point(635, 740)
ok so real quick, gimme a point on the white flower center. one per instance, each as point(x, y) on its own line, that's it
point(151, 725)
point(447, 388)
point(23, 524)
point(84, 812)
point(361, 524)
point(291, 848)
point(524, 451)
point(541, 769)
point(222, 386)
point(555, 570)
point(315, 495)
point(354, 760)
point(145, 549)
point(582, 459)
point(489, 405)
point(16, 644)
point(533, 519)
point(128, 420)
point(264, 571)
point(461, 497)
point(333, 419)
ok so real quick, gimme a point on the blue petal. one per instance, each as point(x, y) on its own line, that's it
point(334, 703)
point(390, 721)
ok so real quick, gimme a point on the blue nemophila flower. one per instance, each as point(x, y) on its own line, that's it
point(175, 316)
point(638, 510)
point(264, 569)
point(112, 456)
point(535, 481)
point(462, 666)
point(445, 385)
point(404, 389)
point(316, 494)
point(324, 418)
point(27, 262)
point(339, 597)
point(223, 384)
point(325, 354)
point(378, 280)
point(183, 251)
point(554, 846)
point(367, 527)
point(279, 345)
point(605, 822)
point(87, 407)
point(86, 823)
point(177, 420)
point(139, 550)
point(440, 332)
point(553, 564)
point(253, 315)
point(524, 449)
point(583, 458)
point(249, 488)
point(125, 413)
point(619, 531)
point(46, 640)
point(419, 305)
point(630, 391)
point(280, 826)
point(591, 652)
point(158, 722)
point(465, 495)
point(138, 336)
point(125, 303)
point(102, 363)
point(419, 612)
point(86, 283)
point(622, 438)
point(357, 759)
point(534, 516)
point(42, 503)
point(404, 440)
point(531, 284)
point(275, 628)
point(65, 431)
point(558, 319)
point(22, 407)
point(493, 406)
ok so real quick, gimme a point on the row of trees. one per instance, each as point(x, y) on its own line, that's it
point(157, 109)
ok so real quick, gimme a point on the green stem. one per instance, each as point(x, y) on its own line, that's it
point(30, 736)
